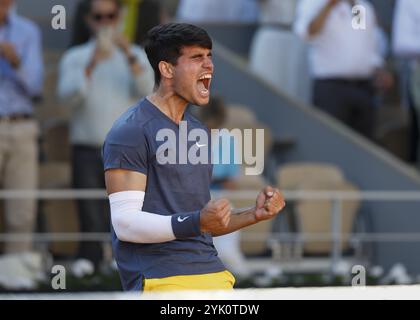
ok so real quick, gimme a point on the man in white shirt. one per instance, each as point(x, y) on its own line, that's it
point(406, 44)
point(100, 80)
point(278, 55)
point(344, 59)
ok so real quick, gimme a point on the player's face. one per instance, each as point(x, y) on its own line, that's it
point(192, 75)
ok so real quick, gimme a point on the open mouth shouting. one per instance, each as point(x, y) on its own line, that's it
point(204, 85)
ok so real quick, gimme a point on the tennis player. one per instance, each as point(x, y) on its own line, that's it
point(163, 219)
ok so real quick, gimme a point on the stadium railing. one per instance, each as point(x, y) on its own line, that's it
point(338, 197)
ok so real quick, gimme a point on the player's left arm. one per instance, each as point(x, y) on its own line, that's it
point(269, 203)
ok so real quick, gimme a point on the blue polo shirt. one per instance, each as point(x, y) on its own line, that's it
point(171, 189)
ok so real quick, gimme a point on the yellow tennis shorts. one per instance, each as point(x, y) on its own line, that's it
point(223, 280)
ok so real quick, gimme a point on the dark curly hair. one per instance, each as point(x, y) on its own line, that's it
point(165, 42)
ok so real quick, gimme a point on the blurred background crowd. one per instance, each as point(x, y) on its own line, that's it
point(334, 83)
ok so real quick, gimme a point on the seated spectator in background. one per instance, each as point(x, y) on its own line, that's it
point(21, 80)
point(225, 174)
point(345, 62)
point(406, 44)
point(217, 11)
point(100, 80)
point(277, 54)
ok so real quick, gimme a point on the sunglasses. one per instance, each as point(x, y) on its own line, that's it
point(108, 16)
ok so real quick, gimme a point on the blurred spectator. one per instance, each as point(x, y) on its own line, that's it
point(139, 19)
point(406, 44)
point(225, 175)
point(217, 11)
point(346, 62)
point(277, 12)
point(21, 80)
point(225, 171)
point(81, 32)
point(99, 79)
point(277, 54)
point(142, 15)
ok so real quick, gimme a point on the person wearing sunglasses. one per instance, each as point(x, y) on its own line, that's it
point(99, 80)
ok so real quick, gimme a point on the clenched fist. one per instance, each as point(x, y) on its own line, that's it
point(269, 203)
point(215, 216)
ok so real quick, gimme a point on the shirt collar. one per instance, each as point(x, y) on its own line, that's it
point(155, 110)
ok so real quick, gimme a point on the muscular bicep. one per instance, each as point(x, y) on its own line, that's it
point(118, 180)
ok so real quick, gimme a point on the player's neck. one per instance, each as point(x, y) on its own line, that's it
point(172, 105)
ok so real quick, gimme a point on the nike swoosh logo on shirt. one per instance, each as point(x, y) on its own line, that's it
point(182, 219)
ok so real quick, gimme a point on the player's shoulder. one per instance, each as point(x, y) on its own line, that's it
point(130, 129)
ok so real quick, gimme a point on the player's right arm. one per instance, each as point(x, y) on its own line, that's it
point(126, 192)
point(126, 158)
